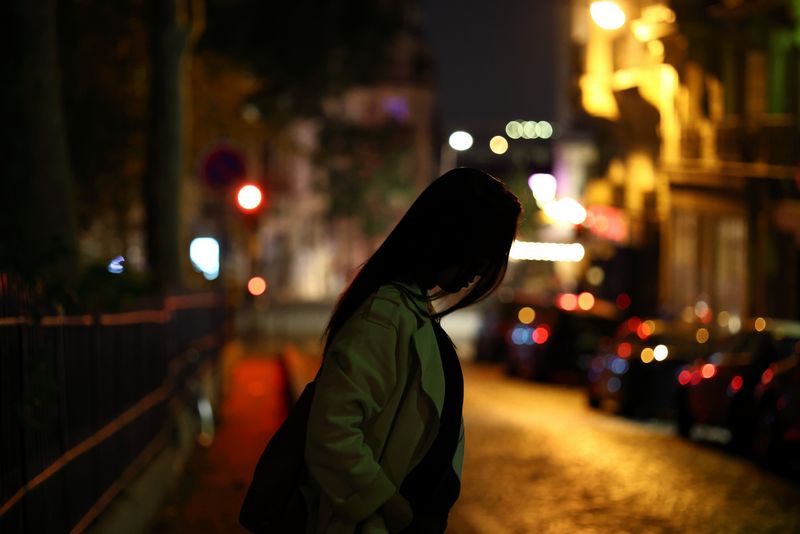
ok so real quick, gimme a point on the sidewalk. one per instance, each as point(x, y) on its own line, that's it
point(211, 492)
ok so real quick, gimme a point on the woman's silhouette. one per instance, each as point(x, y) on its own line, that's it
point(385, 435)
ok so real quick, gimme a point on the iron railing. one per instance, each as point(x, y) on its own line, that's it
point(85, 402)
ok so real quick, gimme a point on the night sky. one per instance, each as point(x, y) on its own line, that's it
point(495, 61)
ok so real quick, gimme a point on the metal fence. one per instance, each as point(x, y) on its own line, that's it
point(85, 402)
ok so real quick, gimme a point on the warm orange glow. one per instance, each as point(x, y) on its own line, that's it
point(645, 329)
point(568, 301)
point(256, 286)
point(585, 301)
point(633, 324)
point(526, 315)
point(606, 14)
point(647, 355)
point(701, 335)
point(708, 370)
point(760, 324)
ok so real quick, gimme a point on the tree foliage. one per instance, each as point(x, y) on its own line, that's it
point(305, 49)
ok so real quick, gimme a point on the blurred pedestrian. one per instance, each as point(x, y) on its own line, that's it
point(385, 438)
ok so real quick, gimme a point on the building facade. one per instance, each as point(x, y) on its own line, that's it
point(693, 106)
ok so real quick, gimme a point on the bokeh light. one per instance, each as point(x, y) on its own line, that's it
point(544, 129)
point(565, 210)
point(526, 315)
point(595, 275)
point(767, 375)
point(660, 352)
point(586, 301)
point(760, 324)
point(514, 129)
point(645, 329)
point(608, 15)
point(460, 140)
point(568, 301)
point(543, 186)
point(701, 335)
point(529, 130)
point(736, 383)
point(708, 370)
point(249, 197)
point(204, 255)
point(540, 334)
point(647, 355)
point(534, 251)
point(256, 286)
point(498, 144)
point(115, 265)
point(614, 384)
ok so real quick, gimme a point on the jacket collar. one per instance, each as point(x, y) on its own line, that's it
point(416, 297)
point(425, 345)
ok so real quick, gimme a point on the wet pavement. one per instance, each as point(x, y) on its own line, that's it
point(208, 498)
point(539, 460)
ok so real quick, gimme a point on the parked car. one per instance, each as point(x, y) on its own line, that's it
point(558, 344)
point(498, 319)
point(720, 390)
point(776, 430)
point(635, 375)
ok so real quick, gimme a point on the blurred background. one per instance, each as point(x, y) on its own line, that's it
point(187, 185)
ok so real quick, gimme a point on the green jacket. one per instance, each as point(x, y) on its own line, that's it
point(375, 412)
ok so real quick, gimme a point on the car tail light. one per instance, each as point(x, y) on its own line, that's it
point(633, 323)
point(540, 334)
point(684, 377)
point(708, 370)
point(696, 378)
point(767, 375)
point(736, 383)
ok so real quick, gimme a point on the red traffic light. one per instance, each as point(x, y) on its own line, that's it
point(249, 197)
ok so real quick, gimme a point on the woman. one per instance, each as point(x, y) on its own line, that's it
point(385, 435)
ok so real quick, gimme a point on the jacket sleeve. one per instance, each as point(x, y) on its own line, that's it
point(358, 375)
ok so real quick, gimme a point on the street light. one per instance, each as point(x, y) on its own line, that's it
point(498, 144)
point(608, 15)
point(460, 140)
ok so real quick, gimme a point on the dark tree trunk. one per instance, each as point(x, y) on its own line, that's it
point(168, 41)
point(38, 219)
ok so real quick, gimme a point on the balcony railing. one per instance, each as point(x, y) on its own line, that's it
point(773, 141)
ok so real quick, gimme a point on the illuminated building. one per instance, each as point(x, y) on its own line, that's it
point(693, 107)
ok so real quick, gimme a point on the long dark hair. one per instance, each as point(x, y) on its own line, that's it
point(465, 216)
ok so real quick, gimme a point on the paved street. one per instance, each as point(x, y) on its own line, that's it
point(539, 460)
